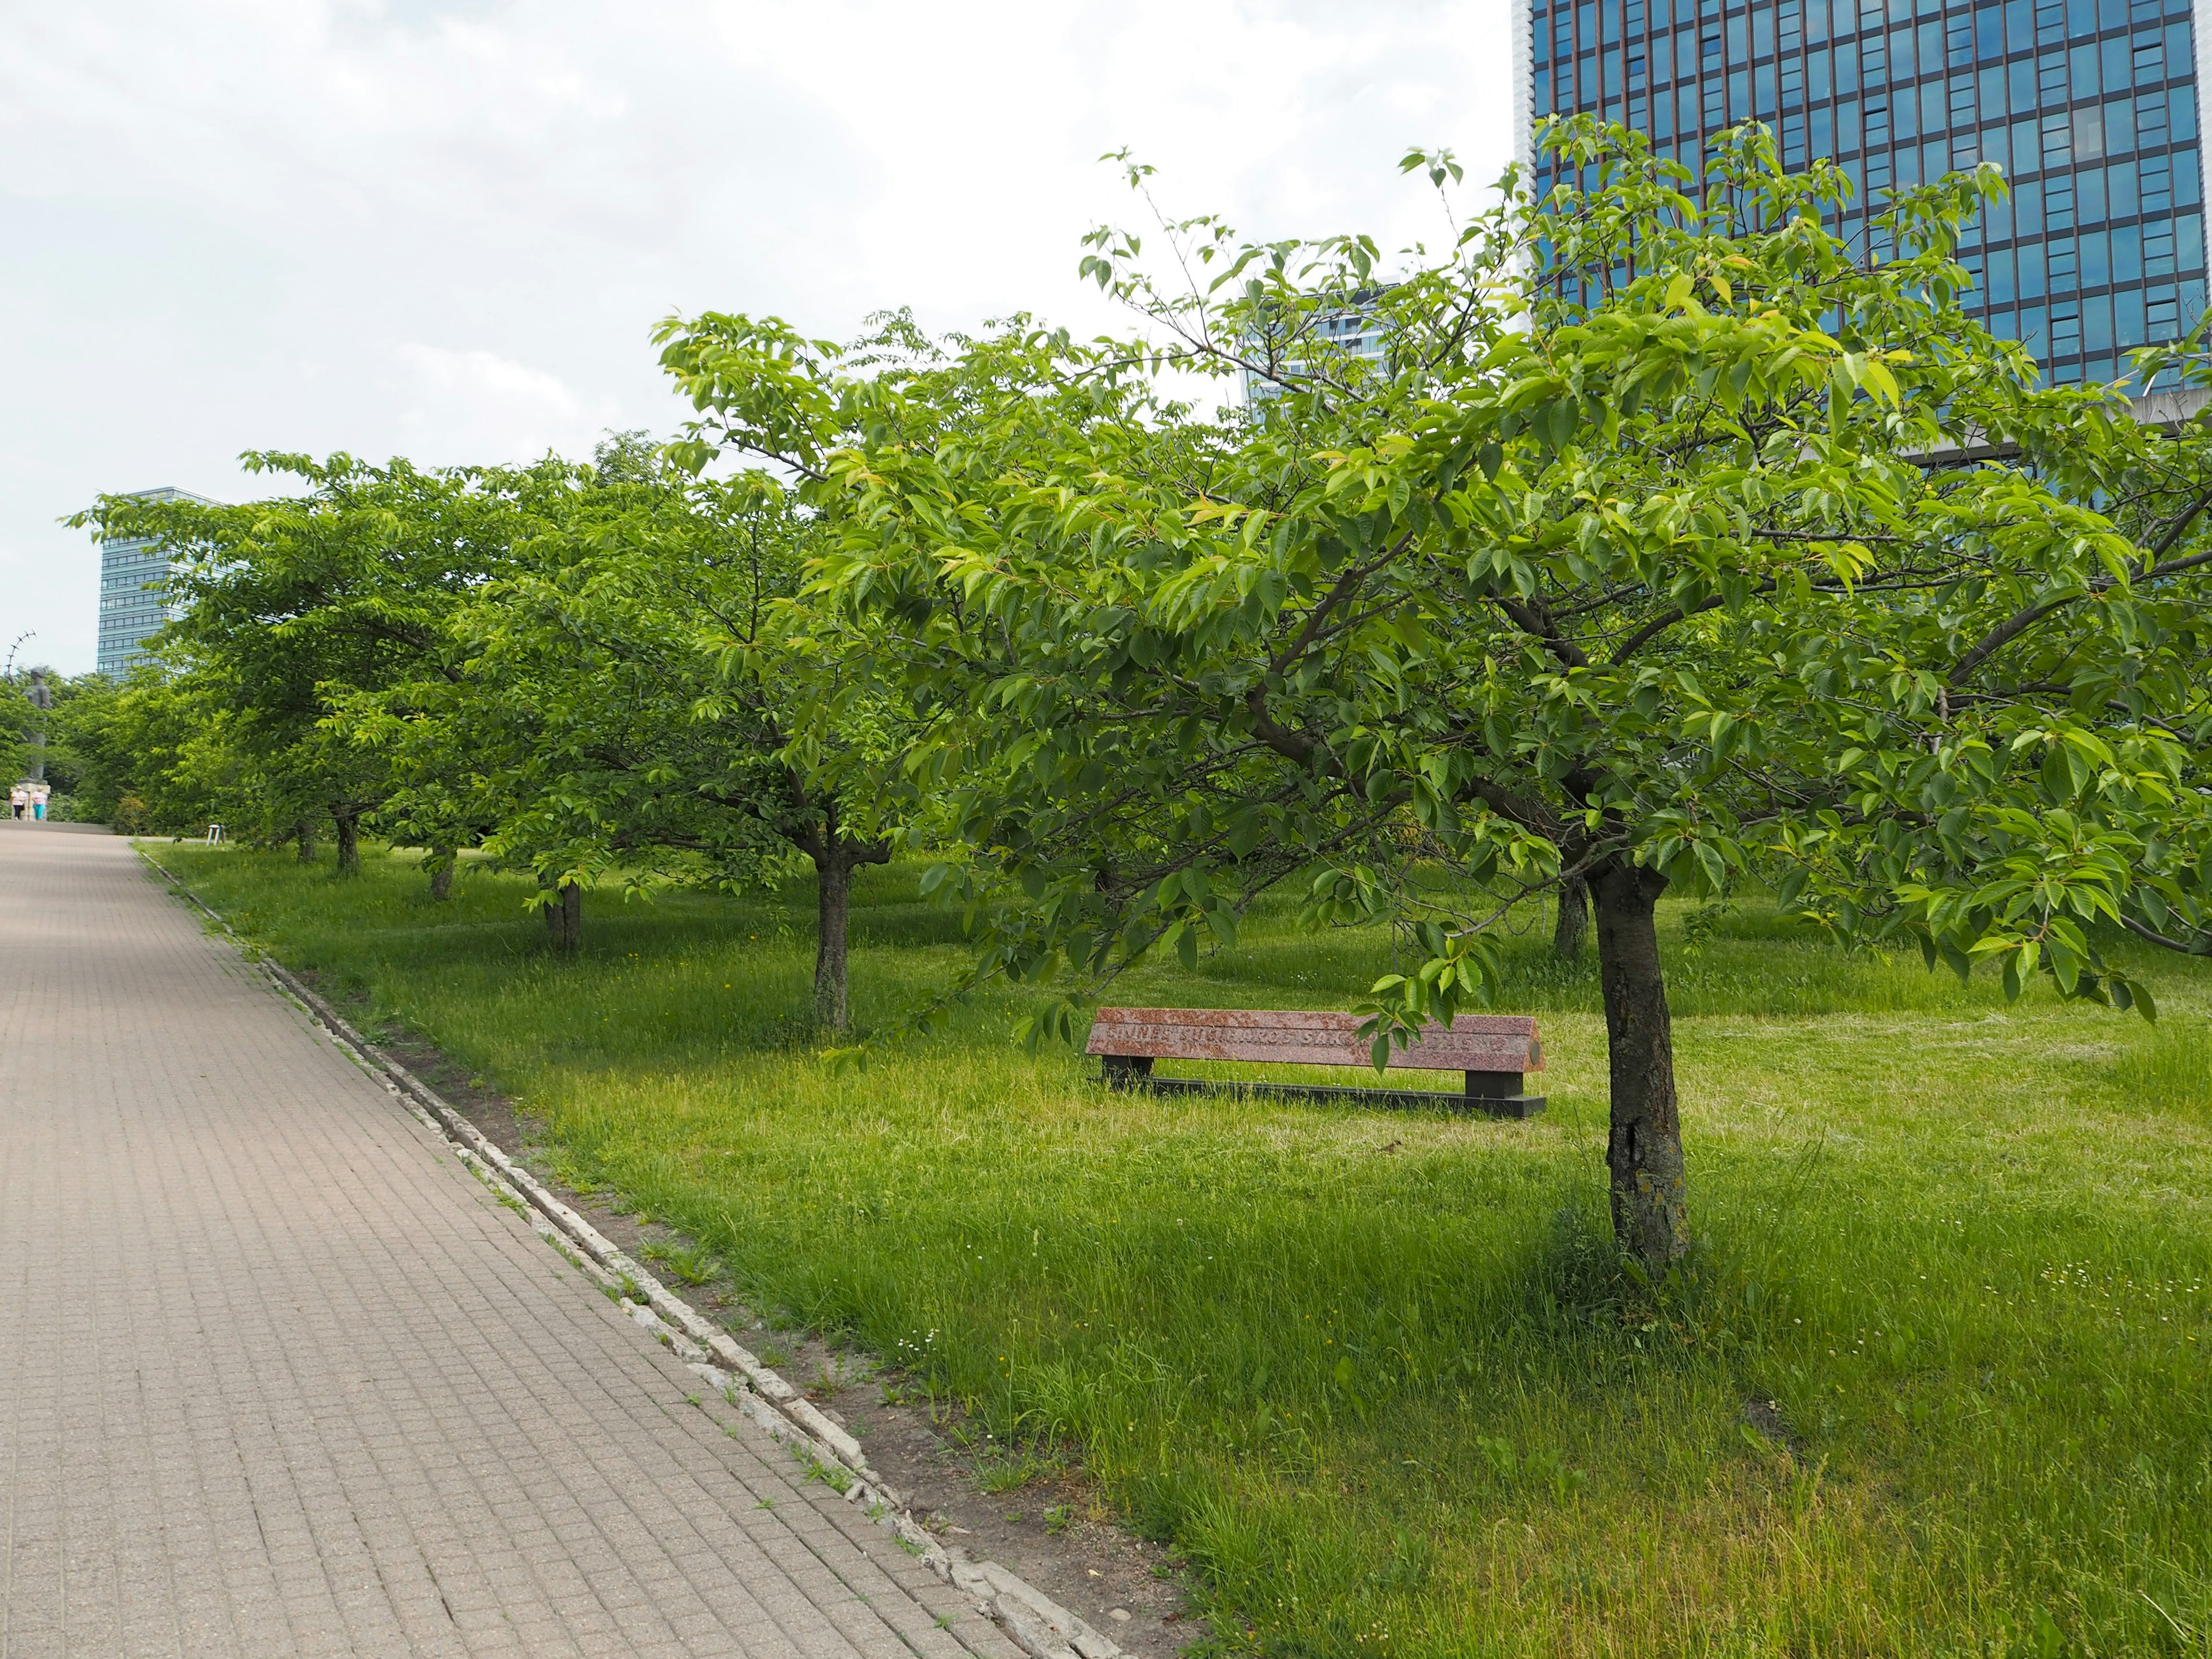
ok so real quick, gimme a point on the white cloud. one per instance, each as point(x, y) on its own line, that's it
point(495, 409)
point(444, 227)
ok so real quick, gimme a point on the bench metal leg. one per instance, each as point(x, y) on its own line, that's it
point(1125, 1070)
point(1499, 1094)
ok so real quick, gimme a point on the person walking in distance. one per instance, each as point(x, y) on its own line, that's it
point(39, 793)
point(18, 799)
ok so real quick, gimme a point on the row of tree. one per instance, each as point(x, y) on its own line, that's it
point(1672, 543)
point(36, 710)
point(550, 662)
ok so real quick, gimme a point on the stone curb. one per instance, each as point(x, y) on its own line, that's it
point(1037, 1624)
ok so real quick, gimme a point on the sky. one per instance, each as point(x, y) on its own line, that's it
point(445, 228)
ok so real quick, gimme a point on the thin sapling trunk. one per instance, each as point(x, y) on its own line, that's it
point(834, 859)
point(441, 862)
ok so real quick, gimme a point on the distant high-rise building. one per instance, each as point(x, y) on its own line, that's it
point(132, 604)
point(1327, 342)
point(2090, 106)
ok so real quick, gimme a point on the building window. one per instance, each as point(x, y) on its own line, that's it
point(2158, 249)
point(2127, 255)
point(2001, 291)
point(2157, 174)
point(2058, 202)
point(2128, 319)
point(2057, 140)
point(2088, 133)
point(2094, 259)
point(1962, 100)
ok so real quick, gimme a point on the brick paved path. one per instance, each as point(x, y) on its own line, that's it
point(278, 1377)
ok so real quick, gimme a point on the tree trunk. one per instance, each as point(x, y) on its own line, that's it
point(441, 862)
point(833, 905)
point(1644, 1153)
point(564, 917)
point(834, 859)
point(348, 843)
point(306, 831)
point(1574, 918)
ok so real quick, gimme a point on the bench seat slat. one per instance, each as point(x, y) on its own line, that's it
point(1473, 1042)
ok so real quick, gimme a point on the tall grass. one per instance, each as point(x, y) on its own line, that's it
point(2171, 1069)
point(1377, 1373)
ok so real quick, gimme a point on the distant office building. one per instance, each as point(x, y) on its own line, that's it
point(2090, 106)
point(1353, 332)
point(131, 604)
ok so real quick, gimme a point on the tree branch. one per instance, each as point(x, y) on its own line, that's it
point(1291, 746)
point(2167, 543)
point(1345, 586)
point(2175, 566)
point(1658, 625)
point(2018, 624)
point(2199, 949)
point(1531, 617)
point(2003, 635)
point(1529, 815)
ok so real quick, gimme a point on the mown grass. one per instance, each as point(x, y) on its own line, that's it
point(1376, 1373)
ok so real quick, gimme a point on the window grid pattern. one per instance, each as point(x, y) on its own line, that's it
point(2089, 105)
point(131, 605)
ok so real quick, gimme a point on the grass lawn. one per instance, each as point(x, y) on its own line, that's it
point(1374, 1373)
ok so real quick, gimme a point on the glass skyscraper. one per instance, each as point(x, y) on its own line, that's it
point(2089, 105)
point(131, 603)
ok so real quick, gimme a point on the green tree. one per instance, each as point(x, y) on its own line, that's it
point(26, 731)
point(150, 755)
point(620, 720)
point(146, 754)
point(290, 604)
point(1671, 541)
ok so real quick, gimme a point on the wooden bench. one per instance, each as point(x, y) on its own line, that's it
point(1494, 1050)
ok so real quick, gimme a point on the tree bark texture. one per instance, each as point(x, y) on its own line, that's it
point(1574, 918)
point(564, 917)
point(833, 905)
point(305, 830)
point(349, 826)
point(1644, 1151)
point(441, 862)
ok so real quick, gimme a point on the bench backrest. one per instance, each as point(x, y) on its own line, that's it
point(1472, 1042)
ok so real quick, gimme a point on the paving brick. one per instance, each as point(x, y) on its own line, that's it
point(278, 1376)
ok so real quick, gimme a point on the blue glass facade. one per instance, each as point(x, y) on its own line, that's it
point(132, 606)
point(2089, 105)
